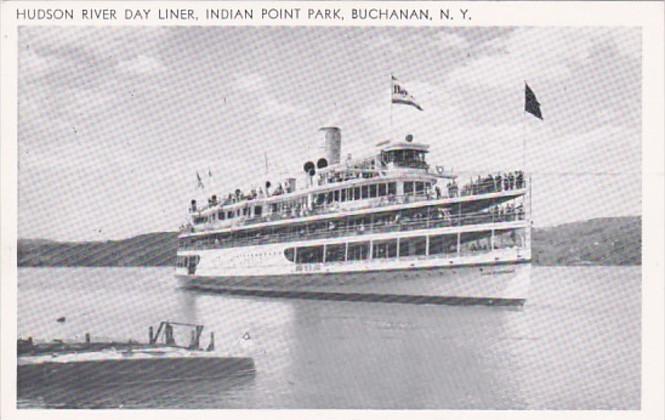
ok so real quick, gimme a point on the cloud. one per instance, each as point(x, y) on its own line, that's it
point(254, 88)
point(141, 65)
point(32, 66)
point(251, 82)
point(541, 55)
point(626, 40)
point(120, 43)
point(272, 107)
point(446, 40)
point(83, 57)
point(381, 40)
point(528, 53)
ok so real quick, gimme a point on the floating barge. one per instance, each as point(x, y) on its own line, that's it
point(159, 360)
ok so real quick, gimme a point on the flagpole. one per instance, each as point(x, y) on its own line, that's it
point(524, 116)
point(524, 135)
point(523, 168)
point(391, 107)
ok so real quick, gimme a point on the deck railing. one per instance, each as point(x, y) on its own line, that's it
point(476, 186)
point(337, 229)
point(374, 203)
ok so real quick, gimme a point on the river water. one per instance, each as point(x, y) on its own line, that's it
point(574, 345)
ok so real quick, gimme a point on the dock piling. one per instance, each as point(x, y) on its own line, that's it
point(211, 345)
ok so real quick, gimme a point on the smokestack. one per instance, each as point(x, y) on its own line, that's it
point(332, 144)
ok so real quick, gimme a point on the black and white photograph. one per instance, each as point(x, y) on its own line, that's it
point(329, 217)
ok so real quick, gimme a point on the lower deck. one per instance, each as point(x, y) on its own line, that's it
point(418, 249)
point(489, 283)
point(488, 262)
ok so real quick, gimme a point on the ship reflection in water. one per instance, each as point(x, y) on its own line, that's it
point(574, 345)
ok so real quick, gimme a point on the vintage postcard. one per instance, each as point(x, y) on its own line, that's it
point(404, 207)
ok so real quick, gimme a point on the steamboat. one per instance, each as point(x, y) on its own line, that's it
point(387, 227)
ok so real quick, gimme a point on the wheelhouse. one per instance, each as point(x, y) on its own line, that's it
point(405, 155)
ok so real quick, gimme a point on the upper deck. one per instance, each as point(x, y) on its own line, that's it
point(397, 176)
point(384, 193)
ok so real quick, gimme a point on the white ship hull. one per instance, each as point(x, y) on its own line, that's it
point(493, 277)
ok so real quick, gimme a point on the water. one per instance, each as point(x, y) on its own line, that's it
point(574, 345)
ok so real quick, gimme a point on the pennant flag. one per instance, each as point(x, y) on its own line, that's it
point(209, 173)
point(199, 181)
point(531, 104)
point(401, 96)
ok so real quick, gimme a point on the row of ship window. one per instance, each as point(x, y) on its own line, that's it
point(406, 219)
point(186, 261)
point(342, 195)
point(469, 243)
point(229, 214)
point(473, 242)
point(371, 191)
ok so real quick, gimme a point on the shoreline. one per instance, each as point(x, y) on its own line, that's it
point(615, 241)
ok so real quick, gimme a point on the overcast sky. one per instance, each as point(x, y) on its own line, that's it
point(114, 123)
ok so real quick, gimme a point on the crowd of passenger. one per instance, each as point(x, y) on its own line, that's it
point(491, 183)
point(507, 213)
point(439, 218)
point(402, 221)
point(253, 194)
point(502, 181)
point(283, 188)
point(238, 196)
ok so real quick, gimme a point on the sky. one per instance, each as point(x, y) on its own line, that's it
point(115, 122)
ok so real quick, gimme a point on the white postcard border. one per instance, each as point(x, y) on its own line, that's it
point(647, 15)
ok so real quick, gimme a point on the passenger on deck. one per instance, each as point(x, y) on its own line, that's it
point(506, 183)
point(437, 191)
point(519, 179)
point(497, 183)
point(511, 180)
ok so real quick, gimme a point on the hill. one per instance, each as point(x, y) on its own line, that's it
point(152, 249)
point(606, 241)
